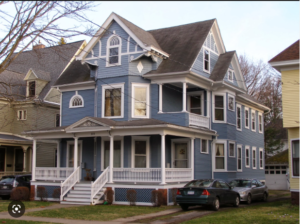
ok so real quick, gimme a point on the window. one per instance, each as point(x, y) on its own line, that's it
point(204, 146)
point(76, 101)
point(254, 157)
point(220, 157)
point(231, 150)
point(231, 102)
point(112, 101)
point(238, 117)
point(196, 105)
point(140, 154)
point(247, 156)
point(57, 120)
point(239, 158)
point(295, 157)
point(253, 120)
point(22, 115)
point(246, 117)
point(31, 88)
point(206, 60)
point(260, 123)
point(117, 154)
point(230, 76)
point(219, 108)
point(261, 158)
point(113, 51)
point(140, 105)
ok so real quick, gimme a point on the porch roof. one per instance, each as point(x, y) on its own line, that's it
point(10, 138)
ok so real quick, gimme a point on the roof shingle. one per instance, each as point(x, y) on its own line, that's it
point(290, 53)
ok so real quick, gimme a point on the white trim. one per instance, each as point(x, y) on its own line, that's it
point(224, 142)
point(140, 138)
point(233, 106)
point(113, 86)
point(253, 129)
point(262, 123)
point(181, 140)
point(230, 71)
point(291, 158)
point(241, 117)
point(246, 109)
point(79, 149)
point(22, 117)
point(247, 147)
point(231, 142)
point(27, 87)
point(263, 161)
point(224, 107)
point(254, 159)
point(237, 157)
point(206, 48)
point(73, 97)
point(206, 146)
point(116, 138)
point(133, 99)
point(119, 46)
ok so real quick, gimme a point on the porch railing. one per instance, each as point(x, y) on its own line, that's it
point(137, 174)
point(53, 173)
point(5, 173)
point(178, 174)
point(70, 182)
point(198, 120)
point(99, 183)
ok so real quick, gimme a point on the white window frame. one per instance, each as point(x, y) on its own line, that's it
point(181, 140)
point(206, 146)
point(224, 107)
point(231, 142)
point(237, 157)
point(262, 123)
point(116, 138)
point(247, 109)
point(228, 77)
point(55, 120)
point(73, 97)
point(247, 148)
point(140, 138)
point(263, 163)
point(204, 49)
point(225, 156)
point(114, 46)
point(133, 85)
point(192, 94)
point(253, 129)
point(254, 160)
point(233, 108)
point(241, 117)
point(22, 118)
point(291, 158)
point(27, 89)
point(113, 86)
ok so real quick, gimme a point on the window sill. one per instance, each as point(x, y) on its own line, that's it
point(231, 156)
point(205, 153)
point(112, 65)
point(76, 107)
point(239, 129)
point(247, 166)
point(216, 121)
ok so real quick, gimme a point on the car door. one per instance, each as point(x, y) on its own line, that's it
point(219, 192)
point(254, 190)
point(261, 189)
point(227, 192)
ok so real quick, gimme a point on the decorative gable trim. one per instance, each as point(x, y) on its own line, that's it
point(30, 71)
point(87, 124)
point(238, 72)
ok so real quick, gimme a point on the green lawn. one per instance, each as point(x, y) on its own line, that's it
point(99, 212)
point(13, 221)
point(28, 204)
point(279, 194)
point(266, 213)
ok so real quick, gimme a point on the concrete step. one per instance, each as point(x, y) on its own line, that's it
point(82, 188)
point(80, 192)
point(85, 184)
point(75, 203)
point(77, 199)
point(78, 196)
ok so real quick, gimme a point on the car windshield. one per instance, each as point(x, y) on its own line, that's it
point(7, 179)
point(240, 183)
point(199, 183)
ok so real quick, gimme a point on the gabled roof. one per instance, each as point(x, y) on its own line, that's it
point(290, 53)
point(12, 85)
point(222, 66)
point(39, 74)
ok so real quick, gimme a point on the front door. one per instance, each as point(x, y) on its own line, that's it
point(19, 158)
point(71, 155)
point(181, 155)
point(2, 159)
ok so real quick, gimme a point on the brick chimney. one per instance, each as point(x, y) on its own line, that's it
point(38, 46)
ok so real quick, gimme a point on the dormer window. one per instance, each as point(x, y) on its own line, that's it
point(31, 88)
point(230, 76)
point(206, 61)
point(113, 51)
point(76, 101)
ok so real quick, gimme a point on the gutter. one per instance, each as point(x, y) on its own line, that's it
point(76, 83)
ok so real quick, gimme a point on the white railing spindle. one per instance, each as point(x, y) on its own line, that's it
point(69, 182)
point(198, 120)
point(178, 174)
point(137, 174)
point(99, 183)
point(53, 173)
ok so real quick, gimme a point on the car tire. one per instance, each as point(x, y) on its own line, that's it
point(184, 207)
point(216, 204)
point(249, 199)
point(265, 197)
point(237, 201)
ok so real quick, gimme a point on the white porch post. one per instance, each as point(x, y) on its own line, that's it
point(160, 98)
point(208, 107)
point(58, 155)
point(24, 157)
point(163, 160)
point(192, 157)
point(111, 159)
point(75, 152)
point(183, 97)
point(33, 160)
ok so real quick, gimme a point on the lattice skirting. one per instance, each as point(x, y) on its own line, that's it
point(142, 195)
point(49, 190)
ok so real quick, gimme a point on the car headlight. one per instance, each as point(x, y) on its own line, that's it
point(243, 193)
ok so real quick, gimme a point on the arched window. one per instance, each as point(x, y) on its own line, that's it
point(76, 101)
point(113, 51)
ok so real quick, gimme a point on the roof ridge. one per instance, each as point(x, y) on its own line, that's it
point(130, 22)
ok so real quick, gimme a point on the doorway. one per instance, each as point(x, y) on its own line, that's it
point(19, 159)
point(180, 153)
point(2, 159)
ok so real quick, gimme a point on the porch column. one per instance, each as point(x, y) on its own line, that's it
point(160, 98)
point(183, 97)
point(208, 107)
point(24, 157)
point(58, 155)
point(111, 159)
point(163, 160)
point(75, 152)
point(192, 157)
point(33, 160)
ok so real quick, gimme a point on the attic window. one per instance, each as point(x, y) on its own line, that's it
point(206, 60)
point(230, 76)
point(76, 101)
point(31, 88)
point(114, 47)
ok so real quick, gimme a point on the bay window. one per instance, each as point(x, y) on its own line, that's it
point(219, 111)
point(140, 105)
point(220, 156)
point(260, 123)
point(204, 146)
point(247, 117)
point(231, 150)
point(253, 120)
point(238, 118)
point(112, 101)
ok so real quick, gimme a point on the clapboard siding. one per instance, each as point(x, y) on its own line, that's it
point(203, 163)
point(45, 154)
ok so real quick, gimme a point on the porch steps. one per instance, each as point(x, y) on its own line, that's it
point(81, 195)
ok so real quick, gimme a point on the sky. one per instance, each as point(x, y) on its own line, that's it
point(258, 29)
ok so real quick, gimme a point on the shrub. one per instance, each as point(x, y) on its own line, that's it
point(131, 196)
point(174, 193)
point(42, 193)
point(56, 193)
point(157, 198)
point(164, 196)
point(109, 195)
point(20, 194)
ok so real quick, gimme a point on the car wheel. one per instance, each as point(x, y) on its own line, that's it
point(249, 199)
point(265, 197)
point(237, 201)
point(216, 204)
point(184, 207)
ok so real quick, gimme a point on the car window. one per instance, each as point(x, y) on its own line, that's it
point(240, 183)
point(7, 179)
point(217, 184)
point(224, 185)
point(260, 184)
point(28, 178)
point(199, 183)
point(254, 183)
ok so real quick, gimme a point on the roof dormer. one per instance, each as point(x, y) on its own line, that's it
point(36, 80)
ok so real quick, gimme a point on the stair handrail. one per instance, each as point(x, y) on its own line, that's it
point(99, 183)
point(69, 182)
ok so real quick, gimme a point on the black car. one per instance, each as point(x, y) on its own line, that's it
point(207, 192)
point(8, 183)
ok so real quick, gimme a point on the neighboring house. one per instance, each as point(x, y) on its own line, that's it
point(150, 110)
point(27, 102)
point(287, 62)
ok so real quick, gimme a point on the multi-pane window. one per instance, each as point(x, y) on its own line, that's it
point(112, 102)
point(253, 157)
point(231, 150)
point(219, 108)
point(140, 100)
point(276, 169)
point(261, 158)
point(295, 157)
point(220, 156)
point(238, 117)
point(22, 114)
point(204, 148)
point(196, 104)
point(140, 154)
point(260, 123)
point(230, 76)
point(76, 101)
point(253, 120)
point(239, 157)
point(246, 117)
point(206, 60)
point(31, 88)
point(117, 154)
point(57, 120)
point(247, 156)
point(230, 102)
point(114, 51)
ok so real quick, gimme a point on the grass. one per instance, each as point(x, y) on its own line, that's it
point(28, 204)
point(277, 193)
point(11, 221)
point(99, 213)
point(271, 212)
